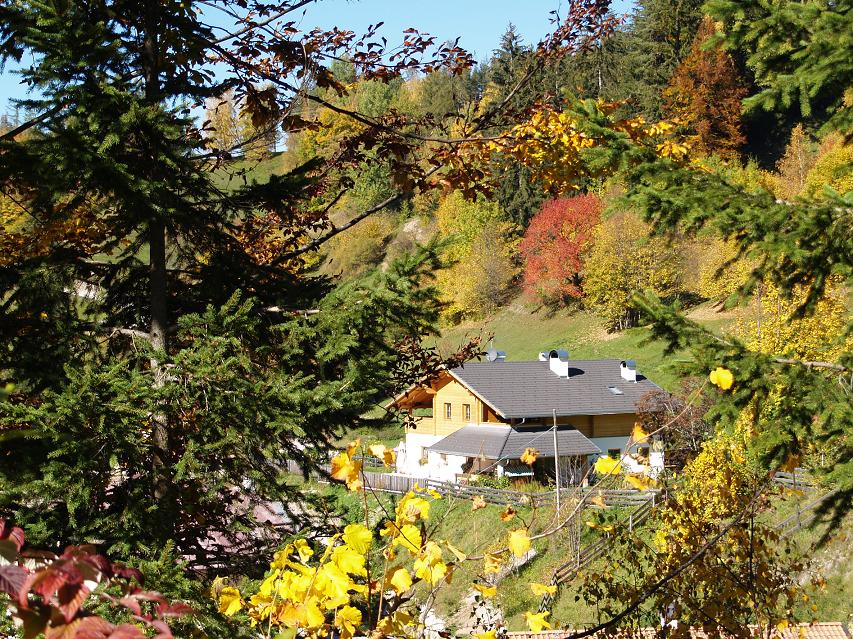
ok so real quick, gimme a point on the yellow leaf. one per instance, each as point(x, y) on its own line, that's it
point(348, 560)
point(508, 514)
point(305, 551)
point(347, 620)
point(401, 581)
point(358, 537)
point(608, 466)
point(638, 434)
point(486, 591)
point(460, 556)
point(722, 377)
point(230, 602)
point(477, 503)
point(347, 470)
point(782, 624)
point(641, 482)
point(489, 634)
point(598, 500)
point(492, 563)
point(352, 447)
point(541, 589)
point(529, 456)
point(387, 455)
point(409, 538)
point(536, 621)
point(519, 542)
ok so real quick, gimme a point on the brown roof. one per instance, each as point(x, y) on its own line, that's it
point(823, 630)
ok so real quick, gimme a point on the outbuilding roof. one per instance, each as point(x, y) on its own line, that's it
point(505, 442)
point(530, 389)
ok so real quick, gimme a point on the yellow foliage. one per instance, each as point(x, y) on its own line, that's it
point(519, 542)
point(833, 168)
point(541, 589)
point(387, 455)
point(722, 377)
point(401, 581)
point(529, 456)
point(230, 602)
point(536, 621)
point(608, 466)
point(625, 260)
point(486, 591)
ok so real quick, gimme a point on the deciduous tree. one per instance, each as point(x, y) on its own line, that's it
point(554, 246)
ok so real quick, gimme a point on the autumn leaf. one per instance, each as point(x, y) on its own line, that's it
point(344, 468)
point(529, 456)
point(722, 377)
point(541, 589)
point(608, 466)
point(401, 581)
point(638, 434)
point(598, 500)
point(508, 514)
point(230, 601)
point(489, 634)
point(305, 551)
point(387, 455)
point(536, 621)
point(519, 542)
point(477, 503)
point(357, 537)
point(347, 620)
point(409, 538)
point(486, 591)
point(492, 563)
point(460, 556)
point(641, 482)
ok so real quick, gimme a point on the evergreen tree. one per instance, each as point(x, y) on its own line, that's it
point(661, 33)
point(152, 324)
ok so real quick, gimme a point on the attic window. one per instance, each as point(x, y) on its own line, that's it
point(615, 390)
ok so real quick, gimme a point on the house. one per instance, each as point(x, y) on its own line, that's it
point(480, 417)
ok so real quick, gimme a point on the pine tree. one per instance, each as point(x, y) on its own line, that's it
point(169, 351)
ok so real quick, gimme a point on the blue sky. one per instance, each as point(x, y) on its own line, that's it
point(478, 23)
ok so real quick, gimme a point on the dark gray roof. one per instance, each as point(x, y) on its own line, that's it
point(529, 389)
point(474, 441)
point(504, 442)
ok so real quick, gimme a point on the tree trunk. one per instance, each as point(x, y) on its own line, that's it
point(158, 335)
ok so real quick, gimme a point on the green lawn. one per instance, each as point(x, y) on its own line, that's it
point(523, 332)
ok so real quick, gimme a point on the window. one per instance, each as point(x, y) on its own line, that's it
point(466, 411)
point(448, 412)
point(614, 453)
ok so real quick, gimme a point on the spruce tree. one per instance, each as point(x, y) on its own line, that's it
point(169, 350)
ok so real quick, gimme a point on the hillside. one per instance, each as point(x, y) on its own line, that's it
point(523, 331)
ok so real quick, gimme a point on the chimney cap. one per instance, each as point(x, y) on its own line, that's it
point(629, 363)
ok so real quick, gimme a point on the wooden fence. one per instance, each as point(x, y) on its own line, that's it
point(799, 479)
point(399, 484)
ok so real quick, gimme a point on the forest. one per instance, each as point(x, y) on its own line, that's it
point(228, 239)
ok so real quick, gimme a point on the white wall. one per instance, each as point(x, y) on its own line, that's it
point(409, 453)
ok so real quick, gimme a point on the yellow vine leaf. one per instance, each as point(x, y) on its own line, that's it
point(638, 434)
point(409, 538)
point(230, 602)
point(492, 563)
point(598, 500)
point(346, 469)
point(519, 542)
point(305, 551)
point(536, 621)
point(357, 537)
point(608, 466)
point(722, 377)
point(541, 589)
point(489, 634)
point(486, 591)
point(347, 620)
point(401, 581)
point(529, 456)
point(508, 514)
point(460, 556)
point(387, 455)
point(641, 482)
point(477, 503)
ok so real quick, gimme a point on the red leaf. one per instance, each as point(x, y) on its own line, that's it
point(131, 604)
point(163, 630)
point(12, 579)
point(71, 597)
point(34, 622)
point(127, 631)
point(11, 533)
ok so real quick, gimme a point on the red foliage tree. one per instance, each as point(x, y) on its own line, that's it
point(706, 92)
point(554, 244)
